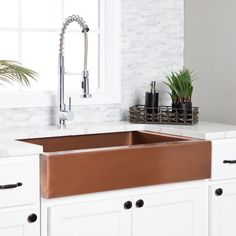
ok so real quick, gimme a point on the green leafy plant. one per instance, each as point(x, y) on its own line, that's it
point(180, 85)
point(12, 71)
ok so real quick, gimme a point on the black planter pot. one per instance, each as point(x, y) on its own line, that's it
point(184, 108)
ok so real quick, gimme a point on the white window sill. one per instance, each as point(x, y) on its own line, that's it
point(31, 99)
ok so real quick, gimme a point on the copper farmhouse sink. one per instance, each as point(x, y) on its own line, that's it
point(80, 164)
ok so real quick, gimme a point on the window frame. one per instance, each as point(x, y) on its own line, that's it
point(109, 91)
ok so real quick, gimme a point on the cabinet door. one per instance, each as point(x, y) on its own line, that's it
point(223, 209)
point(17, 224)
point(171, 213)
point(98, 218)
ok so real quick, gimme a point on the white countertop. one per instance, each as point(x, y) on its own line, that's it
point(10, 147)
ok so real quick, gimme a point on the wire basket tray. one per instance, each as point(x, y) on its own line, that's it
point(163, 115)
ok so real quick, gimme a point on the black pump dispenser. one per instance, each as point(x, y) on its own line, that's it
point(151, 99)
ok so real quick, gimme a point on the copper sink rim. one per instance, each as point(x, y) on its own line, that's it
point(182, 139)
point(136, 146)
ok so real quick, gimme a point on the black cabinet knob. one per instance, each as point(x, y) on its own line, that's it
point(139, 203)
point(128, 205)
point(32, 218)
point(219, 192)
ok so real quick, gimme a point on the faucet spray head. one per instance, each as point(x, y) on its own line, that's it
point(85, 85)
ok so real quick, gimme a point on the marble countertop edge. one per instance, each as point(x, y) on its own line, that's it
point(9, 146)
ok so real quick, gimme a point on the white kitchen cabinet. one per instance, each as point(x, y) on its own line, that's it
point(167, 211)
point(173, 213)
point(100, 218)
point(223, 159)
point(222, 190)
point(17, 223)
point(19, 196)
point(23, 172)
point(223, 208)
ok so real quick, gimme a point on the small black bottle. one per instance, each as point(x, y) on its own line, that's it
point(151, 99)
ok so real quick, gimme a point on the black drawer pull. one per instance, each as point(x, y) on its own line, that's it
point(229, 162)
point(8, 186)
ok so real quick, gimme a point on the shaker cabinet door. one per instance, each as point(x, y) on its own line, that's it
point(97, 218)
point(223, 209)
point(18, 224)
point(171, 213)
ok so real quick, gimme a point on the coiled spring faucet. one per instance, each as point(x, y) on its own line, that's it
point(64, 112)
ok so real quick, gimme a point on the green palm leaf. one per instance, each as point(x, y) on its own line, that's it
point(12, 71)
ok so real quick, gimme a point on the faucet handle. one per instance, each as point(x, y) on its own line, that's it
point(69, 103)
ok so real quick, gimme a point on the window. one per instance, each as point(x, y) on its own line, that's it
point(29, 33)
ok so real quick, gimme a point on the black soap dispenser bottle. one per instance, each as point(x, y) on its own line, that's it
point(151, 99)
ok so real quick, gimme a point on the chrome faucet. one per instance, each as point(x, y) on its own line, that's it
point(64, 112)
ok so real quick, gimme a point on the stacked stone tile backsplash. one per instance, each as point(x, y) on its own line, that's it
point(152, 45)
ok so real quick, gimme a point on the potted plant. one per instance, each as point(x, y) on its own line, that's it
point(181, 89)
point(12, 71)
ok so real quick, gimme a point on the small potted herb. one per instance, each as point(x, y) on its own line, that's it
point(181, 89)
point(11, 71)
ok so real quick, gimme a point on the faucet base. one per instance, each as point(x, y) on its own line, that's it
point(62, 124)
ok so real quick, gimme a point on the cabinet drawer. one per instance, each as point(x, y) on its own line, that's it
point(22, 170)
point(224, 159)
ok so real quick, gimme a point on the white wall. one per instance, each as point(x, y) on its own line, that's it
point(152, 45)
point(210, 50)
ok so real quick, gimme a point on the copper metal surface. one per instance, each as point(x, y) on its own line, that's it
point(66, 143)
point(139, 159)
